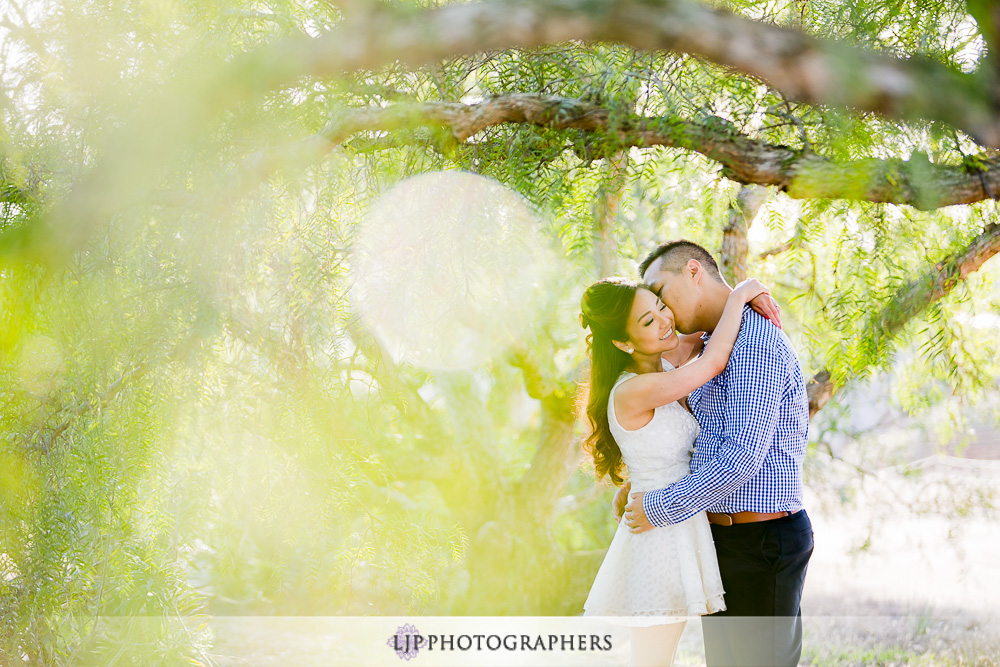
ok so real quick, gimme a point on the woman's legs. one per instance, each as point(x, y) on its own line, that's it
point(656, 645)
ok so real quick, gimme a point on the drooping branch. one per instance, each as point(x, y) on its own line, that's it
point(13, 194)
point(914, 298)
point(44, 437)
point(936, 283)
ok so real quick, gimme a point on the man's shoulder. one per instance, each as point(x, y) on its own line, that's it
point(758, 336)
point(757, 331)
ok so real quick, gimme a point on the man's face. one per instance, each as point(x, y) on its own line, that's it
point(677, 290)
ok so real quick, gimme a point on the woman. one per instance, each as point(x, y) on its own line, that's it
point(639, 418)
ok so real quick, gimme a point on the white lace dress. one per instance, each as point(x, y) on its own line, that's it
point(664, 574)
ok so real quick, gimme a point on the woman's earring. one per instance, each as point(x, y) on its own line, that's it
point(629, 351)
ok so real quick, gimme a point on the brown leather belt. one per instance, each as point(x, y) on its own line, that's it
point(722, 519)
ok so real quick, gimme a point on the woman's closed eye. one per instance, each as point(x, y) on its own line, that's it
point(663, 307)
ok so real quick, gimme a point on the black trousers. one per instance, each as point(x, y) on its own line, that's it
point(763, 567)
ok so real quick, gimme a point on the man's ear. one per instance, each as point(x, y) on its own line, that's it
point(695, 270)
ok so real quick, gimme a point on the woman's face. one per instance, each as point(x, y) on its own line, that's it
point(651, 324)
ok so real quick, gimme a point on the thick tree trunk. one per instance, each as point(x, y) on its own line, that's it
point(554, 462)
point(558, 453)
point(735, 247)
point(606, 210)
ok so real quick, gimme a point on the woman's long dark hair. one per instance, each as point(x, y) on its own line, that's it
point(605, 308)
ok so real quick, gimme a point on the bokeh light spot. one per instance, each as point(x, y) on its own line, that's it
point(447, 267)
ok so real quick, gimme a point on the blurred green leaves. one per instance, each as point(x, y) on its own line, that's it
point(195, 417)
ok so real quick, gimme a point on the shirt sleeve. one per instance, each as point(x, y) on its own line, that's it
point(755, 379)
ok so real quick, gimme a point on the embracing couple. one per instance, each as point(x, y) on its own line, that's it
point(712, 430)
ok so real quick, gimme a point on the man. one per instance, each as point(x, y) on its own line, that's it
point(746, 470)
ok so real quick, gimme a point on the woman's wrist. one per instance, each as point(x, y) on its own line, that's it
point(741, 297)
point(748, 290)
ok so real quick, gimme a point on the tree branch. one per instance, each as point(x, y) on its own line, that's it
point(97, 402)
point(802, 175)
point(819, 390)
point(545, 386)
point(557, 455)
point(43, 439)
point(803, 68)
point(387, 373)
point(13, 194)
point(776, 250)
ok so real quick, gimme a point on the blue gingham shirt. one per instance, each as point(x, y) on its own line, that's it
point(754, 419)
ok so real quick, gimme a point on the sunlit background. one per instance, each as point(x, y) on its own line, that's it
point(248, 373)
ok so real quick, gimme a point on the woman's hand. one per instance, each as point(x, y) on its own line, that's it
point(759, 297)
point(768, 307)
point(620, 499)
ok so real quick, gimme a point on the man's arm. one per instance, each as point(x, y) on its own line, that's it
point(755, 382)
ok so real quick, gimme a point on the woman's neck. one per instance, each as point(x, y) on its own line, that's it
point(646, 364)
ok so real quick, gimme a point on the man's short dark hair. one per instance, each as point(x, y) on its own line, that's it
point(673, 255)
